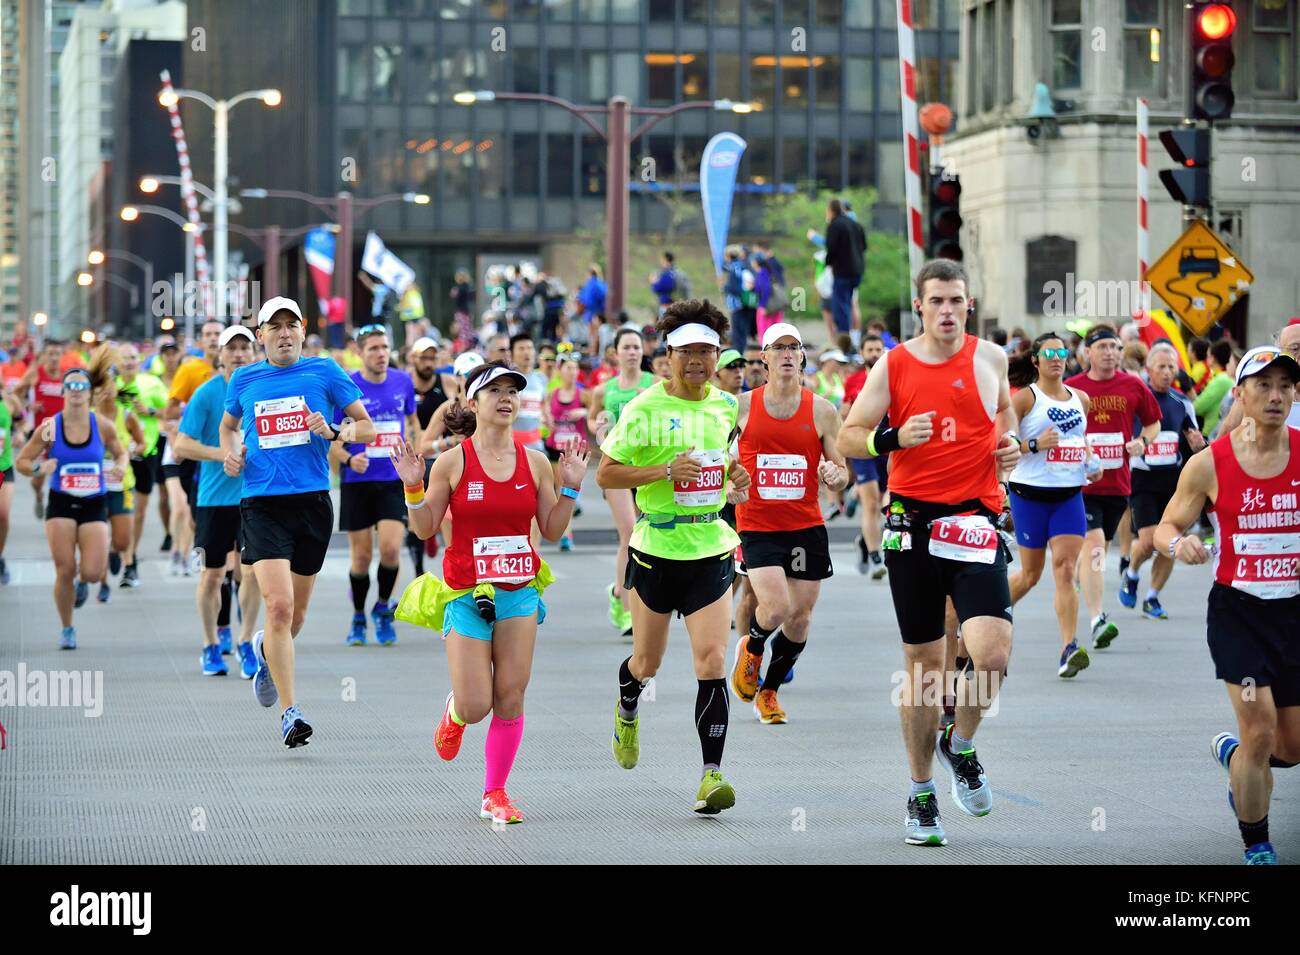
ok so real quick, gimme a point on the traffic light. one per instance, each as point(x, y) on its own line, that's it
point(1189, 147)
point(945, 217)
point(1212, 60)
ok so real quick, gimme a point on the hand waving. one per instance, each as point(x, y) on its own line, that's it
point(409, 464)
point(573, 462)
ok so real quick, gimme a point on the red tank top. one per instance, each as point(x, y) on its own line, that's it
point(957, 463)
point(49, 395)
point(490, 524)
point(1257, 524)
point(781, 457)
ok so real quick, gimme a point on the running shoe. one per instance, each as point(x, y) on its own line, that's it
point(864, 556)
point(767, 709)
point(1151, 608)
point(166, 544)
point(498, 807)
point(1073, 659)
point(852, 507)
point(105, 592)
point(82, 592)
point(4, 573)
point(212, 663)
point(627, 632)
point(114, 562)
point(970, 787)
point(176, 564)
point(68, 639)
point(626, 744)
point(1128, 592)
point(225, 641)
point(263, 685)
point(130, 577)
point(38, 507)
point(615, 608)
point(714, 795)
point(745, 669)
point(357, 635)
point(566, 543)
point(922, 821)
point(1222, 747)
point(247, 661)
point(1103, 633)
point(1261, 853)
point(1123, 567)
point(447, 737)
point(382, 614)
point(878, 568)
point(294, 728)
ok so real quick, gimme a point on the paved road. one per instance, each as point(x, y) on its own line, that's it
point(1110, 768)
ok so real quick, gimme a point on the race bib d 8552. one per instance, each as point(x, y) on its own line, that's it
point(1109, 447)
point(504, 560)
point(705, 490)
point(388, 435)
point(781, 477)
point(969, 539)
point(281, 422)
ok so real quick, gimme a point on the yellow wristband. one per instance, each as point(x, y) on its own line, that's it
point(413, 495)
point(871, 443)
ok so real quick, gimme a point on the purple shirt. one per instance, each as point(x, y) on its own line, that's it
point(388, 404)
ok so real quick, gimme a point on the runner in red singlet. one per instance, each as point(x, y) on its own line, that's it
point(1250, 480)
point(47, 401)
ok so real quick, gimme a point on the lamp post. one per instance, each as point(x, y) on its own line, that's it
point(97, 257)
point(618, 144)
point(221, 112)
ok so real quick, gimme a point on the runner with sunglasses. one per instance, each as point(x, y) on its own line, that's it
point(75, 442)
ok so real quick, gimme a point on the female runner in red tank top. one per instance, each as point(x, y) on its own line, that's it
point(494, 488)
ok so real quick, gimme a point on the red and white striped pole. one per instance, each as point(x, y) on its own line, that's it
point(911, 138)
point(1144, 235)
point(189, 197)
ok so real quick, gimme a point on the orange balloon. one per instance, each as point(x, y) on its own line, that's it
point(936, 118)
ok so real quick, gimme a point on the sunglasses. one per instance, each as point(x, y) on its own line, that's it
point(76, 384)
point(754, 362)
point(365, 330)
point(1050, 353)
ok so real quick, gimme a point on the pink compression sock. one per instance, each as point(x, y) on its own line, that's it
point(499, 750)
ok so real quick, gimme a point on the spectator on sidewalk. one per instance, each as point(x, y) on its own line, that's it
point(846, 246)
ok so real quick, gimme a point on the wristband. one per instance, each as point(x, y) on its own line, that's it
point(348, 462)
point(1173, 546)
point(883, 441)
point(414, 507)
point(570, 492)
point(413, 494)
point(337, 432)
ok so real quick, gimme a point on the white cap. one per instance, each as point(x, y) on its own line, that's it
point(781, 330)
point(466, 363)
point(833, 355)
point(692, 334)
point(499, 372)
point(423, 344)
point(1262, 357)
point(277, 304)
point(231, 331)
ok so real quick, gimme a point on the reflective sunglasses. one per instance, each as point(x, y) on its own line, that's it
point(76, 384)
point(365, 330)
point(1050, 353)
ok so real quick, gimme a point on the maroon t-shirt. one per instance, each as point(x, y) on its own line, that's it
point(1115, 403)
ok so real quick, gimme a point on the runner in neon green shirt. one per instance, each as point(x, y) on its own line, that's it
point(147, 396)
point(671, 444)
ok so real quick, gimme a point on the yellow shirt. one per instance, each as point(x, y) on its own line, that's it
point(192, 373)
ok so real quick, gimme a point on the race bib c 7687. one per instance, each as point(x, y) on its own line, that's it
point(970, 539)
point(281, 422)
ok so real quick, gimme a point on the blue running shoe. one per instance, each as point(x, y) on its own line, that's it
point(1221, 748)
point(225, 641)
point(1073, 659)
point(295, 730)
point(68, 639)
point(382, 613)
point(105, 592)
point(357, 635)
point(1151, 608)
point(263, 686)
point(1261, 853)
point(247, 661)
point(1128, 592)
point(213, 665)
point(82, 592)
point(789, 676)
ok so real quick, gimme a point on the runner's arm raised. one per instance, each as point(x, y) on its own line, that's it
point(554, 512)
point(868, 408)
point(427, 518)
point(1196, 485)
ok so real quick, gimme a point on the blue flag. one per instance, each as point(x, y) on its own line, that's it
point(718, 168)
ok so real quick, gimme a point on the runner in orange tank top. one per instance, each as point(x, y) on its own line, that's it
point(949, 394)
point(787, 444)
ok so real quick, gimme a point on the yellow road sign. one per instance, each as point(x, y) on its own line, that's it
point(1200, 278)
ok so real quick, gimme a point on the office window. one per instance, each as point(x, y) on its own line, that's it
point(387, 63)
point(889, 171)
point(857, 13)
point(352, 77)
point(1006, 52)
point(1272, 41)
point(462, 70)
point(421, 79)
point(456, 160)
point(561, 78)
point(794, 82)
point(1065, 30)
point(659, 149)
point(354, 8)
point(627, 76)
point(593, 165)
point(988, 41)
point(695, 76)
point(487, 154)
point(794, 161)
point(891, 96)
point(927, 80)
point(624, 11)
point(829, 13)
point(829, 78)
point(561, 10)
point(695, 11)
point(971, 56)
point(592, 10)
point(595, 69)
point(794, 13)
point(661, 81)
point(527, 67)
point(354, 145)
point(829, 172)
point(1142, 46)
point(559, 165)
point(862, 163)
point(726, 11)
point(857, 83)
point(525, 9)
point(761, 159)
point(726, 76)
point(388, 160)
point(663, 11)
point(762, 81)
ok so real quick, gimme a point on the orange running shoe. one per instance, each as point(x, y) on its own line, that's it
point(497, 806)
point(745, 671)
point(767, 709)
point(446, 738)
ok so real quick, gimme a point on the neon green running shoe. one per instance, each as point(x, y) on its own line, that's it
point(626, 743)
point(715, 794)
point(616, 610)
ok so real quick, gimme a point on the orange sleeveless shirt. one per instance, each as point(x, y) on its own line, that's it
point(781, 458)
point(940, 471)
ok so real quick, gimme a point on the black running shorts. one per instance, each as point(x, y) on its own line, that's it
point(216, 533)
point(363, 504)
point(1152, 492)
point(292, 527)
point(804, 554)
point(146, 471)
point(681, 586)
point(83, 510)
point(1255, 640)
point(1104, 512)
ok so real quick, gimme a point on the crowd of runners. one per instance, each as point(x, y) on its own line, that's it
point(721, 468)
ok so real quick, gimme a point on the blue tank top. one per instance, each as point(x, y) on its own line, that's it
point(81, 467)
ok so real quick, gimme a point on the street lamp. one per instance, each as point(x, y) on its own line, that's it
point(85, 279)
point(221, 111)
point(618, 158)
point(98, 257)
point(132, 213)
point(95, 257)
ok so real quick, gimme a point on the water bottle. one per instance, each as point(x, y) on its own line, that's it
point(1093, 466)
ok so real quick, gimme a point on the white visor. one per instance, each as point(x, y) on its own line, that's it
point(484, 380)
point(692, 334)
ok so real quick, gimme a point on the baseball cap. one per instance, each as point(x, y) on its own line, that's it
point(1263, 357)
point(781, 330)
point(692, 333)
point(466, 363)
point(233, 331)
point(423, 344)
point(482, 381)
point(730, 357)
point(165, 342)
point(833, 354)
point(277, 304)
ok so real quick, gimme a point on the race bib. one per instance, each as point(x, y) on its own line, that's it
point(81, 479)
point(970, 539)
point(530, 406)
point(705, 490)
point(1108, 446)
point(108, 484)
point(388, 435)
point(1068, 457)
point(281, 422)
point(1163, 450)
point(1268, 565)
point(780, 477)
point(504, 560)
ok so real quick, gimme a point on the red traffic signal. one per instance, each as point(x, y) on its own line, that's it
point(1216, 21)
point(945, 217)
point(1212, 60)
